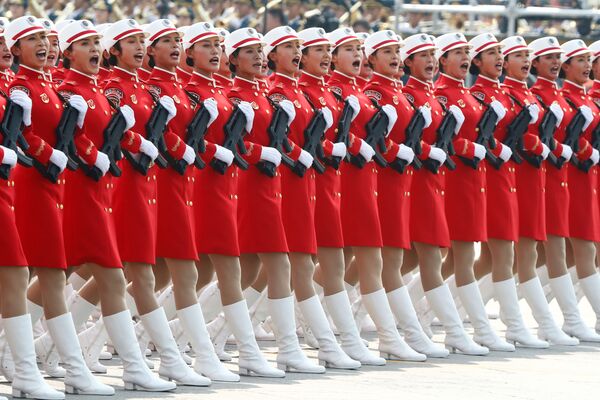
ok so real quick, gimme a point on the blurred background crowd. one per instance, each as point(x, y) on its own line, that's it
point(363, 16)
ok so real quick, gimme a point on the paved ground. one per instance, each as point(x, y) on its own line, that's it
point(557, 373)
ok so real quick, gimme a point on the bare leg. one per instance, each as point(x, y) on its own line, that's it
point(430, 265)
point(369, 265)
point(484, 264)
point(302, 270)
point(142, 287)
point(392, 261)
point(410, 261)
point(111, 288)
point(13, 289)
point(277, 266)
point(229, 277)
point(250, 266)
point(526, 258)
point(464, 258)
point(162, 277)
point(330, 273)
point(206, 271)
point(585, 257)
point(501, 254)
point(555, 255)
point(52, 284)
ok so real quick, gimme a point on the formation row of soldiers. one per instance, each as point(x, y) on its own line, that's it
point(142, 159)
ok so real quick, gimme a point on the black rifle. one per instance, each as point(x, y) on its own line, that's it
point(574, 132)
point(547, 129)
point(195, 139)
point(235, 130)
point(586, 165)
point(155, 129)
point(376, 134)
point(12, 133)
point(343, 133)
point(514, 136)
point(313, 136)
point(113, 134)
point(485, 137)
point(445, 133)
point(278, 135)
point(413, 134)
point(65, 142)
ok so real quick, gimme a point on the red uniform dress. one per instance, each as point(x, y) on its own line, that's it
point(466, 204)
point(58, 73)
point(260, 220)
point(594, 93)
point(360, 213)
point(584, 216)
point(502, 200)
point(39, 203)
point(427, 210)
point(135, 195)
point(299, 196)
point(393, 188)
point(223, 81)
point(557, 187)
point(176, 236)
point(90, 233)
point(531, 181)
point(215, 195)
point(328, 186)
point(12, 251)
point(143, 74)
point(183, 76)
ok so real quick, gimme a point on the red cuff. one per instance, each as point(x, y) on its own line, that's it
point(86, 149)
point(355, 144)
point(464, 148)
point(131, 142)
point(296, 151)
point(175, 145)
point(425, 151)
point(559, 148)
point(253, 152)
point(38, 148)
point(532, 144)
point(392, 150)
point(327, 147)
point(585, 149)
point(209, 153)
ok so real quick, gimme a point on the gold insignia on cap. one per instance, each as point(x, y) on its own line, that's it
point(31, 20)
point(85, 23)
point(166, 22)
point(423, 38)
point(288, 29)
point(207, 26)
point(321, 32)
point(250, 31)
point(131, 22)
point(348, 31)
point(551, 40)
point(390, 33)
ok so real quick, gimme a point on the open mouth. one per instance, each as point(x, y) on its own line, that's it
point(214, 60)
point(7, 57)
point(296, 61)
point(41, 55)
point(139, 57)
point(464, 66)
point(394, 65)
point(356, 64)
point(499, 66)
point(258, 65)
point(586, 73)
point(525, 69)
point(94, 60)
point(429, 69)
point(175, 55)
point(324, 65)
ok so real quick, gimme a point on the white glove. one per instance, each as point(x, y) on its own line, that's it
point(21, 98)
point(339, 150)
point(59, 159)
point(353, 101)
point(271, 155)
point(499, 109)
point(405, 153)
point(102, 162)
point(149, 149)
point(248, 113)
point(545, 151)
point(595, 157)
point(392, 115)
point(534, 112)
point(212, 108)
point(168, 103)
point(366, 151)
point(306, 159)
point(426, 112)
point(10, 157)
point(189, 155)
point(589, 116)
point(479, 151)
point(78, 103)
point(289, 109)
point(459, 116)
point(129, 117)
point(567, 152)
point(438, 155)
point(223, 154)
point(505, 153)
point(558, 112)
point(328, 117)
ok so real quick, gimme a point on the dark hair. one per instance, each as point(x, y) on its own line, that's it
point(440, 67)
point(151, 62)
point(15, 58)
point(592, 71)
point(304, 52)
point(66, 61)
point(235, 54)
point(332, 65)
point(112, 59)
point(532, 69)
point(474, 69)
point(361, 23)
point(270, 64)
point(406, 67)
point(562, 74)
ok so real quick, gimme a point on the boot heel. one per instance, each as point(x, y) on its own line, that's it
point(283, 367)
point(385, 356)
point(244, 372)
point(16, 393)
point(130, 386)
point(451, 349)
point(323, 363)
point(166, 378)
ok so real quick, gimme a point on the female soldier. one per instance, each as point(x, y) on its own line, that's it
point(530, 190)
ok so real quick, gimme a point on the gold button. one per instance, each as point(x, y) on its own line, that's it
point(94, 90)
point(153, 201)
point(482, 190)
point(376, 194)
point(235, 196)
point(110, 210)
point(442, 193)
point(191, 203)
point(149, 201)
point(12, 208)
